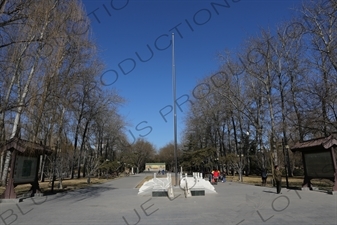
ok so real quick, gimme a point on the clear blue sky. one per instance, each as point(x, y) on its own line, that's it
point(202, 29)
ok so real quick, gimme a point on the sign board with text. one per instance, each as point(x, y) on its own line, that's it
point(155, 167)
point(25, 169)
point(319, 164)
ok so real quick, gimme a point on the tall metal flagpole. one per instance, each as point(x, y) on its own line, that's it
point(174, 112)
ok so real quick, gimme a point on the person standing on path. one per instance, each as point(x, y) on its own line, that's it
point(278, 179)
point(215, 174)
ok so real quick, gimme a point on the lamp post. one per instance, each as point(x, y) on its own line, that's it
point(61, 166)
point(174, 112)
point(288, 163)
point(217, 163)
point(288, 158)
point(248, 154)
point(54, 168)
point(240, 161)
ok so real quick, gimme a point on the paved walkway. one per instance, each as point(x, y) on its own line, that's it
point(117, 203)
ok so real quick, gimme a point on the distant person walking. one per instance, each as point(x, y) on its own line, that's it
point(264, 177)
point(278, 179)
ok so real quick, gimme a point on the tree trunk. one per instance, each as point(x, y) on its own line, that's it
point(75, 145)
point(240, 173)
point(85, 167)
point(81, 149)
point(297, 111)
point(43, 162)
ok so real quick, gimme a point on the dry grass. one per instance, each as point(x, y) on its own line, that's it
point(293, 181)
point(257, 179)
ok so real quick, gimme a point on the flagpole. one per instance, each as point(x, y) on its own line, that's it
point(174, 112)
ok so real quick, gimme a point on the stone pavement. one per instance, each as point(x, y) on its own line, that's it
point(117, 203)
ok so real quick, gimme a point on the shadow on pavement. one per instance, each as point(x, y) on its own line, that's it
point(79, 194)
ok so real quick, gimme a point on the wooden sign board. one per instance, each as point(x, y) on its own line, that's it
point(25, 169)
point(319, 164)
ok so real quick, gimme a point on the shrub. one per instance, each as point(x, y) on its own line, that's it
point(298, 172)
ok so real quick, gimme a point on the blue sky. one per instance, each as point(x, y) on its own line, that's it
point(202, 29)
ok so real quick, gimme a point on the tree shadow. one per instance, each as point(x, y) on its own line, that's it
point(76, 194)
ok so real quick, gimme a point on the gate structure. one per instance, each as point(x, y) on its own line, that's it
point(319, 160)
point(24, 165)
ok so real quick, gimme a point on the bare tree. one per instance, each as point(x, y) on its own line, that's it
point(35, 29)
point(47, 62)
point(138, 154)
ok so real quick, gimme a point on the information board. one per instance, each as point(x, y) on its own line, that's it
point(25, 169)
point(319, 164)
point(155, 167)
